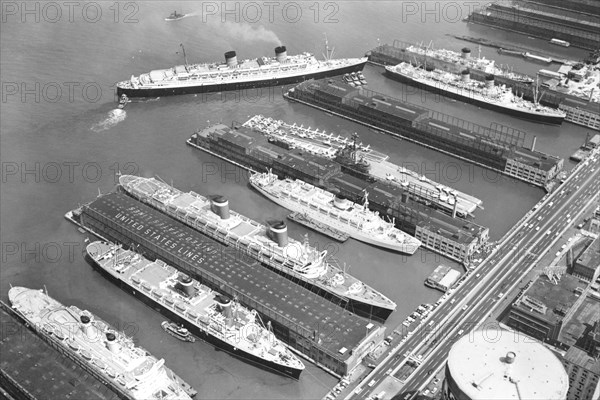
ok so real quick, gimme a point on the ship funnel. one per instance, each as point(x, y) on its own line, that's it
point(111, 342)
point(186, 285)
point(225, 308)
point(489, 81)
point(278, 233)
point(220, 206)
point(466, 52)
point(280, 54)
point(231, 59)
point(86, 325)
point(465, 75)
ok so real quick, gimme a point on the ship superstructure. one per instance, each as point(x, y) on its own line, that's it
point(268, 244)
point(464, 60)
point(356, 220)
point(485, 94)
point(209, 315)
point(237, 75)
point(111, 353)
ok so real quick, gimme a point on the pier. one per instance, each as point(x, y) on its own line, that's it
point(321, 329)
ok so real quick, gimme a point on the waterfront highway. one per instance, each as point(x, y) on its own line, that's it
point(515, 255)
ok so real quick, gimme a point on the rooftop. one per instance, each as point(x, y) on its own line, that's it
point(444, 275)
point(591, 255)
point(554, 297)
point(579, 357)
point(336, 328)
point(498, 364)
point(582, 320)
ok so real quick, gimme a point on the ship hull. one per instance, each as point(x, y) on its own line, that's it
point(545, 119)
point(198, 332)
point(233, 86)
point(355, 234)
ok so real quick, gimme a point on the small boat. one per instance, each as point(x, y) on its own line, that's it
point(178, 331)
point(123, 101)
point(175, 16)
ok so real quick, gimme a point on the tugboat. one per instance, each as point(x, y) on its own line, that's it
point(178, 331)
point(123, 101)
point(175, 16)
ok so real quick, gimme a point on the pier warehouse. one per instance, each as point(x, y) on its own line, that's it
point(498, 147)
point(330, 336)
point(452, 237)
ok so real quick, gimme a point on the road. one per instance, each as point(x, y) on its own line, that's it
point(514, 257)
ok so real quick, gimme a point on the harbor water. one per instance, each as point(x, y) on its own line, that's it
point(63, 140)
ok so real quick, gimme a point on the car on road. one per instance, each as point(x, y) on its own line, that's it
point(465, 307)
point(537, 228)
point(372, 383)
point(500, 295)
point(460, 332)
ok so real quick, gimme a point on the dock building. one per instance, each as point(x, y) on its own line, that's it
point(498, 147)
point(442, 278)
point(33, 366)
point(321, 330)
point(542, 20)
point(455, 238)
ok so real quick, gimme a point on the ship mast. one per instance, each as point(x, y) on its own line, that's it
point(184, 55)
point(327, 54)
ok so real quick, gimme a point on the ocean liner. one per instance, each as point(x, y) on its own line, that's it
point(487, 95)
point(269, 245)
point(94, 342)
point(354, 219)
point(237, 75)
point(463, 60)
point(207, 314)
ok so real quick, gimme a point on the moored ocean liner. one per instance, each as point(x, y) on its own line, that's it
point(207, 314)
point(463, 60)
point(110, 353)
point(237, 75)
point(354, 219)
point(268, 244)
point(487, 95)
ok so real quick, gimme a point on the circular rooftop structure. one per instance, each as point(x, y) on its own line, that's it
point(503, 365)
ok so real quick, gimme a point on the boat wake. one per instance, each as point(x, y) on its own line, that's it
point(114, 117)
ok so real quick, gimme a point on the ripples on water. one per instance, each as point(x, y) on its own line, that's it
point(114, 117)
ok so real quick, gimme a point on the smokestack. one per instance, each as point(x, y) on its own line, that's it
point(86, 326)
point(455, 207)
point(280, 54)
point(278, 233)
point(465, 75)
point(466, 53)
point(225, 305)
point(489, 81)
point(220, 206)
point(533, 143)
point(111, 342)
point(231, 59)
point(187, 285)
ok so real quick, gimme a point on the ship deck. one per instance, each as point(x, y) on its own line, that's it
point(41, 370)
point(299, 309)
